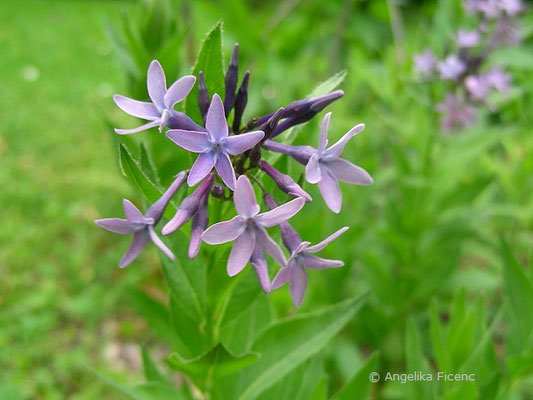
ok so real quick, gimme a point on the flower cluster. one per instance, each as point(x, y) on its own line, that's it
point(227, 156)
point(471, 79)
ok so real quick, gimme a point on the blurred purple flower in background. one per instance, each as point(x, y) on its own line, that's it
point(456, 113)
point(467, 39)
point(425, 63)
point(451, 68)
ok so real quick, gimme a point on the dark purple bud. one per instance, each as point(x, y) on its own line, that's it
point(289, 236)
point(302, 107)
point(218, 190)
point(203, 95)
point(269, 126)
point(178, 120)
point(284, 182)
point(157, 209)
point(240, 102)
point(198, 225)
point(299, 153)
point(231, 80)
point(188, 206)
point(317, 105)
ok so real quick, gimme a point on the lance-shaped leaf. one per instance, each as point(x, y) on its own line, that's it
point(358, 387)
point(289, 342)
point(209, 61)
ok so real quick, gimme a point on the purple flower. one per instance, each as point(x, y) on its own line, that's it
point(142, 226)
point(425, 63)
point(215, 146)
point(284, 182)
point(478, 87)
point(248, 231)
point(512, 7)
point(198, 225)
point(451, 68)
point(326, 168)
point(467, 39)
point(160, 112)
point(302, 258)
point(498, 79)
point(456, 113)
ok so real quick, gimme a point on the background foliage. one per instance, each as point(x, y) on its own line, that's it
point(441, 242)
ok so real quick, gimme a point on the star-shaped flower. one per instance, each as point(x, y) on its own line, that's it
point(215, 146)
point(248, 230)
point(452, 67)
point(425, 63)
point(326, 168)
point(161, 110)
point(302, 258)
point(142, 226)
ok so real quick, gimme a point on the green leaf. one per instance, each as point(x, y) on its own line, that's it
point(358, 387)
point(151, 372)
point(133, 171)
point(147, 165)
point(155, 313)
point(289, 342)
point(217, 363)
point(209, 61)
point(519, 294)
point(416, 361)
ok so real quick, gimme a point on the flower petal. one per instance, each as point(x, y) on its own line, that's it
point(314, 262)
point(133, 214)
point(241, 252)
point(281, 278)
point(159, 243)
point(215, 122)
point(196, 142)
point(116, 225)
point(298, 281)
point(156, 84)
point(223, 232)
point(139, 109)
point(244, 198)
point(140, 239)
point(238, 144)
point(264, 242)
point(261, 269)
point(138, 129)
point(281, 213)
point(319, 246)
point(225, 170)
point(201, 167)
point(331, 193)
point(178, 91)
point(336, 150)
point(313, 172)
point(345, 171)
point(323, 138)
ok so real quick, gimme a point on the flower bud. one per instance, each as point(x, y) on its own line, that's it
point(240, 102)
point(203, 95)
point(157, 209)
point(231, 80)
point(284, 182)
point(198, 225)
point(218, 190)
point(188, 206)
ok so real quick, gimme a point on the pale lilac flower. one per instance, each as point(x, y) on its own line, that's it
point(326, 168)
point(425, 63)
point(214, 146)
point(142, 226)
point(467, 39)
point(284, 182)
point(160, 112)
point(506, 33)
point(188, 207)
point(456, 113)
point(248, 231)
point(478, 87)
point(301, 259)
point(490, 8)
point(498, 79)
point(451, 68)
point(512, 7)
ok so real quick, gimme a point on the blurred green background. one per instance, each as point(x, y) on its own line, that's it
point(442, 240)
